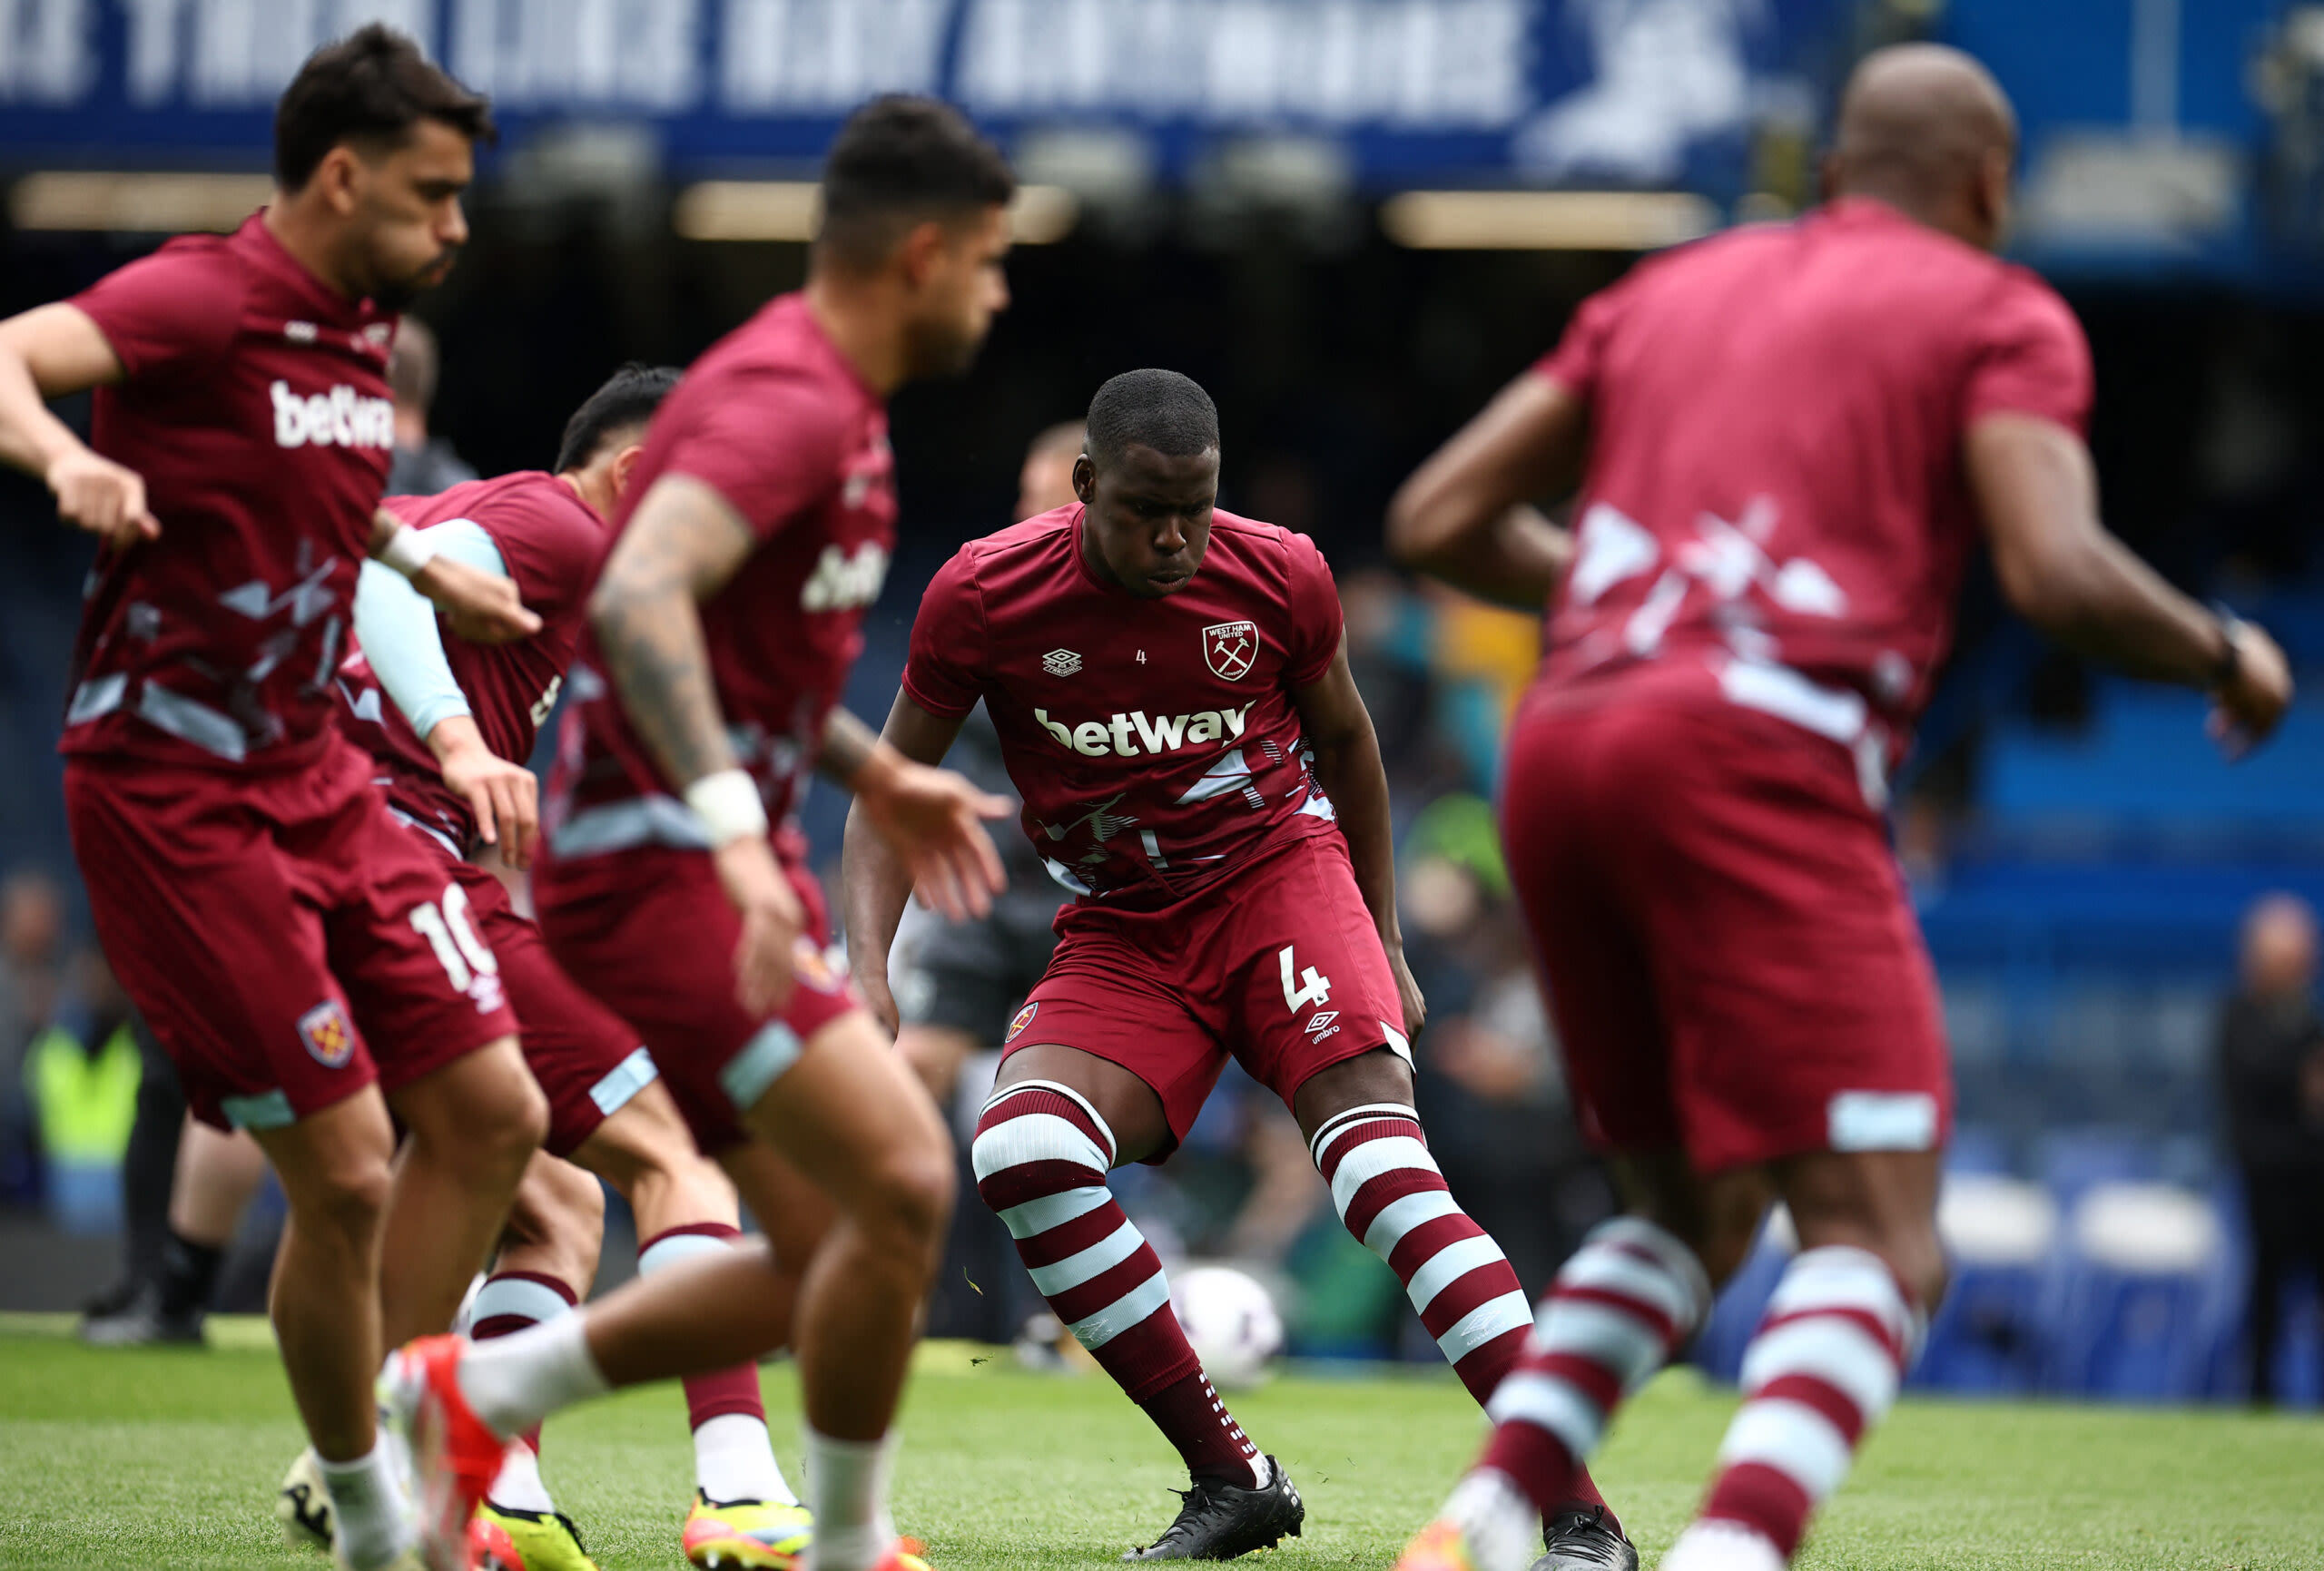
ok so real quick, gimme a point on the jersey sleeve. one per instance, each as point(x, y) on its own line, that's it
point(1573, 363)
point(551, 551)
point(1314, 615)
point(2029, 356)
point(768, 442)
point(172, 313)
point(944, 672)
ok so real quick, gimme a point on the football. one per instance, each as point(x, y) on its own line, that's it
point(1232, 1322)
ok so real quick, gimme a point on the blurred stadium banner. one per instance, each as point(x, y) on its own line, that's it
point(2163, 138)
point(1629, 93)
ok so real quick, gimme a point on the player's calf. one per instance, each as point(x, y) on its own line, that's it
point(1040, 1159)
point(557, 1224)
point(1823, 1368)
point(547, 1259)
point(855, 1122)
point(1845, 1322)
point(326, 1311)
point(1390, 1194)
point(1619, 1309)
point(474, 1125)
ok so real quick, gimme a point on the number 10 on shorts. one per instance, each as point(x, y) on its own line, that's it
point(1312, 988)
point(468, 962)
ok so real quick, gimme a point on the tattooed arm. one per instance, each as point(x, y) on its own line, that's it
point(683, 543)
point(681, 546)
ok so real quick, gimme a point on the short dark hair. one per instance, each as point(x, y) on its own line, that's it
point(370, 88)
point(1153, 408)
point(899, 162)
point(628, 398)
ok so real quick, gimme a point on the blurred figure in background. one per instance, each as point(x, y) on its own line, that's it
point(423, 465)
point(2271, 1084)
point(81, 1077)
point(210, 1184)
point(32, 941)
point(118, 1315)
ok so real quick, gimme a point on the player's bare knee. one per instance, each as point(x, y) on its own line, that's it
point(483, 1117)
point(346, 1199)
point(909, 1197)
point(505, 1121)
point(527, 1123)
point(1369, 1079)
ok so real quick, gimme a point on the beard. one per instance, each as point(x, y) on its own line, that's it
point(942, 349)
point(396, 295)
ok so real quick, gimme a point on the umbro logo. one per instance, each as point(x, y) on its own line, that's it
point(1319, 1022)
point(1060, 662)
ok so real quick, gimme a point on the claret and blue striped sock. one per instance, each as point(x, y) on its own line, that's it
point(1041, 1158)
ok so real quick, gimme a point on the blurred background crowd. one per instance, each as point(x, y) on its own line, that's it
point(1352, 221)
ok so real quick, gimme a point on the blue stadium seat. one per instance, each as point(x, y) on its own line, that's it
point(2142, 759)
point(1987, 1338)
point(2128, 1317)
point(2070, 1163)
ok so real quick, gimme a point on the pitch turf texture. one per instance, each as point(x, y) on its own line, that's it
point(170, 1458)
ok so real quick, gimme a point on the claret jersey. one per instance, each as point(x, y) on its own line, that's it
point(1776, 508)
point(551, 543)
point(776, 421)
point(1155, 742)
point(254, 402)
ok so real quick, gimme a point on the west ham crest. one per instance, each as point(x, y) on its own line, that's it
point(328, 1036)
point(1229, 648)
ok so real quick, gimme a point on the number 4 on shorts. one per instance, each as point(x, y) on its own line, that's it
point(1313, 988)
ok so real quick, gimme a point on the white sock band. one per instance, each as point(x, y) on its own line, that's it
point(514, 1382)
point(520, 1488)
point(673, 1249)
point(733, 1459)
point(372, 1517)
point(1722, 1547)
point(847, 1488)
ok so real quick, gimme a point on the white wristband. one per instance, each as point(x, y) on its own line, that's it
point(407, 550)
point(728, 805)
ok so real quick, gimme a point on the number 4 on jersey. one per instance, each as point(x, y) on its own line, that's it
point(1312, 988)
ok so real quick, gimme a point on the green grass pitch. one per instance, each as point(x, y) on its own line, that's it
point(169, 1460)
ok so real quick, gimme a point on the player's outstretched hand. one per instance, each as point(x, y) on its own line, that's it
point(104, 498)
point(772, 919)
point(504, 796)
point(2251, 706)
point(1407, 991)
point(933, 819)
point(481, 608)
